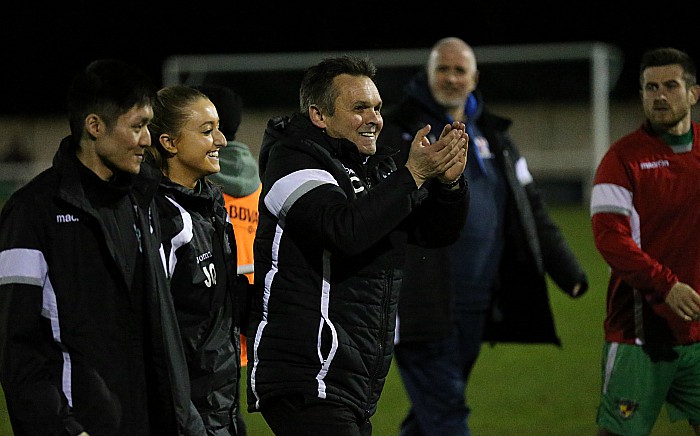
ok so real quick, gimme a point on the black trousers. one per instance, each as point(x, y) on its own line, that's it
point(296, 415)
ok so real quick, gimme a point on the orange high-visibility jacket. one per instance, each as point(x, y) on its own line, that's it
point(243, 213)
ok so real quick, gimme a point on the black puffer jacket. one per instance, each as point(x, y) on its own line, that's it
point(329, 254)
point(200, 254)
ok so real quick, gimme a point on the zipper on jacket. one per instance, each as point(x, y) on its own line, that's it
point(380, 339)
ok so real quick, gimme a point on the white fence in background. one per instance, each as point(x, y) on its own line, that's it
point(574, 155)
point(562, 141)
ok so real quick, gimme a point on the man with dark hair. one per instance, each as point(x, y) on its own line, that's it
point(89, 343)
point(335, 216)
point(645, 209)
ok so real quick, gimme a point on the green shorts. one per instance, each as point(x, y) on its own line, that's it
point(637, 381)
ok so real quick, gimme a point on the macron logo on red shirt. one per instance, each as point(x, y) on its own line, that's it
point(651, 165)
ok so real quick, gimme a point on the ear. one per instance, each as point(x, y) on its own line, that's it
point(694, 94)
point(317, 117)
point(168, 143)
point(94, 125)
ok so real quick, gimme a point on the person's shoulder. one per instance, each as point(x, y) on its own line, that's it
point(34, 197)
point(147, 183)
point(44, 184)
point(493, 121)
point(631, 147)
point(630, 140)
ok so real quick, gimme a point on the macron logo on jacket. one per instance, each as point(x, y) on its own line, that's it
point(67, 218)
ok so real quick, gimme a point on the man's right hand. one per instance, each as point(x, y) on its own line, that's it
point(684, 301)
point(446, 155)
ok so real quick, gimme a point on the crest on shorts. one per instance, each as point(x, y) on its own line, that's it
point(626, 408)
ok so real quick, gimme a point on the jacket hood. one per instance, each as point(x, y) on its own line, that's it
point(307, 134)
point(239, 170)
point(295, 126)
point(275, 131)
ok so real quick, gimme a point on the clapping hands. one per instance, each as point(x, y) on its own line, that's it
point(444, 159)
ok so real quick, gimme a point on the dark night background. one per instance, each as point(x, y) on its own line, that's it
point(43, 45)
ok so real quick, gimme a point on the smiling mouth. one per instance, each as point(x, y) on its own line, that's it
point(214, 154)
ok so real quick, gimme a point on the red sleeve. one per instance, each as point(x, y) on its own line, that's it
point(613, 238)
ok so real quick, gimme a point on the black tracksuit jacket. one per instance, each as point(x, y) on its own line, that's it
point(88, 335)
point(329, 253)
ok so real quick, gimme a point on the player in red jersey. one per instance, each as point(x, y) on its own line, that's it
point(645, 209)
